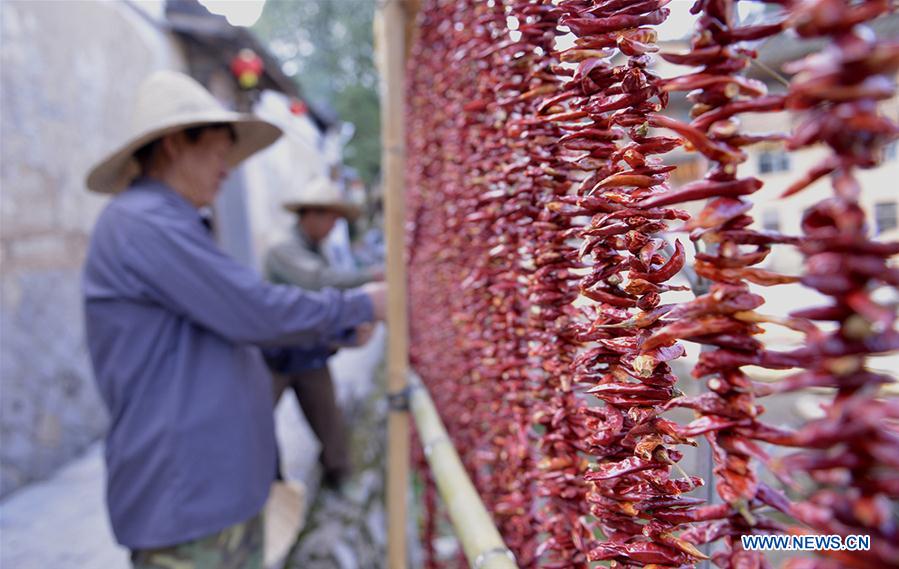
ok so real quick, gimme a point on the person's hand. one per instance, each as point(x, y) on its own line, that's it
point(364, 333)
point(376, 272)
point(377, 292)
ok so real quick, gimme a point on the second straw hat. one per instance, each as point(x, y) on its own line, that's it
point(321, 193)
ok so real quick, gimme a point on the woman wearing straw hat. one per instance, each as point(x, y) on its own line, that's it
point(299, 261)
point(173, 326)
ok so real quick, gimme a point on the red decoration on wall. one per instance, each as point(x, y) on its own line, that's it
point(298, 107)
point(247, 67)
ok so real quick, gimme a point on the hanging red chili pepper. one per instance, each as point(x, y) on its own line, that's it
point(498, 193)
point(538, 260)
point(629, 445)
point(434, 262)
point(550, 263)
point(475, 327)
point(850, 451)
point(727, 415)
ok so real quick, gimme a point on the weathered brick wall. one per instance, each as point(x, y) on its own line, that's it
point(69, 70)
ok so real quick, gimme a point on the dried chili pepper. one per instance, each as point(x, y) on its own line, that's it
point(727, 415)
point(835, 93)
point(525, 292)
point(622, 242)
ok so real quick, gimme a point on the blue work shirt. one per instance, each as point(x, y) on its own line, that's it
point(172, 328)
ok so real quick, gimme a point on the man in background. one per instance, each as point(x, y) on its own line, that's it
point(300, 261)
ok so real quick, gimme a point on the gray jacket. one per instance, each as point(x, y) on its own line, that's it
point(299, 262)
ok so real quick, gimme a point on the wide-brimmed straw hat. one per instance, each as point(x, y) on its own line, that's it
point(168, 102)
point(321, 193)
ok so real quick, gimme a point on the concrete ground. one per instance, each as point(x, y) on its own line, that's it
point(61, 522)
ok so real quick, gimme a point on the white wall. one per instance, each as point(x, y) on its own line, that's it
point(69, 71)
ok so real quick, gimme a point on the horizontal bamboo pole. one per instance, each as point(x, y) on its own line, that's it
point(474, 527)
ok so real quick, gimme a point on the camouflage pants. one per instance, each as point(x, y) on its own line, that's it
point(237, 547)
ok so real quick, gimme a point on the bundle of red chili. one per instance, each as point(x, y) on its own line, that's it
point(436, 241)
point(501, 206)
point(543, 173)
point(724, 320)
point(483, 391)
point(502, 256)
point(853, 451)
point(606, 122)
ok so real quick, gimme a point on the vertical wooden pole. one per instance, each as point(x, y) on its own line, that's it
point(390, 36)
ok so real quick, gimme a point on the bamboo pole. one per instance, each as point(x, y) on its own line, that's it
point(474, 527)
point(390, 31)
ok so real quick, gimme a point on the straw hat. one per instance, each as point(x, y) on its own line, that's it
point(321, 193)
point(168, 102)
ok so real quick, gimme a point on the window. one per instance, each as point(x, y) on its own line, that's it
point(773, 161)
point(884, 216)
point(771, 220)
point(889, 152)
point(687, 171)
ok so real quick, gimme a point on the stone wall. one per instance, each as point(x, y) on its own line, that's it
point(69, 70)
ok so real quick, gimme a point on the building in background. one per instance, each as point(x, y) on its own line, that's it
point(70, 71)
point(777, 167)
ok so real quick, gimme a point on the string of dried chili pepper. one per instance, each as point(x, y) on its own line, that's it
point(723, 320)
point(632, 447)
point(583, 130)
point(435, 258)
point(483, 398)
point(550, 264)
point(465, 397)
point(852, 453)
point(496, 188)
